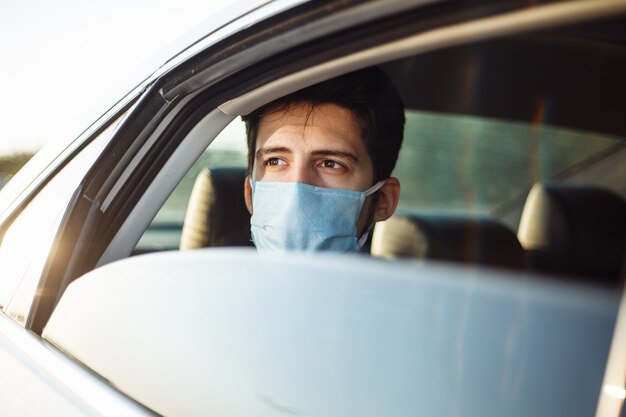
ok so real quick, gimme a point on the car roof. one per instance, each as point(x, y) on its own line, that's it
point(53, 154)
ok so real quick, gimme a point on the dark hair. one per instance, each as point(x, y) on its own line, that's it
point(374, 102)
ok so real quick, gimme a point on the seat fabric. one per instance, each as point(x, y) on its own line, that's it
point(468, 240)
point(216, 214)
point(574, 230)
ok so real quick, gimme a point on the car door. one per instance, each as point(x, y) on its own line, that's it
point(274, 50)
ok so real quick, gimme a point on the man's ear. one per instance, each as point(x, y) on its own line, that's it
point(388, 196)
point(247, 193)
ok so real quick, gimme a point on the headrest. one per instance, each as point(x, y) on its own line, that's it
point(473, 240)
point(573, 229)
point(217, 214)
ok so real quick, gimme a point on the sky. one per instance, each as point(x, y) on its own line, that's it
point(64, 63)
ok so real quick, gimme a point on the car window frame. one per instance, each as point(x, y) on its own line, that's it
point(162, 120)
point(258, 94)
point(20, 309)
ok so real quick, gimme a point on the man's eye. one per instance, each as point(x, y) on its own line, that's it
point(329, 163)
point(275, 162)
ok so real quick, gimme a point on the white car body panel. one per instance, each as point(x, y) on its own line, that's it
point(613, 391)
point(38, 380)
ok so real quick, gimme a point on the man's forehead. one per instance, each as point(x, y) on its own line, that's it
point(320, 125)
point(296, 110)
point(309, 114)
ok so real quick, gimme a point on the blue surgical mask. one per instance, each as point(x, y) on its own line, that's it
point(296, 216)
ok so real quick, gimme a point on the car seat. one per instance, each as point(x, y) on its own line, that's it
point(574, 230)
point(217, 214)
point(468, 240)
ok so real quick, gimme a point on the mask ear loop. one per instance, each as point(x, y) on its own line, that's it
point(365, 235)
point(374, 188)
point(361, 241)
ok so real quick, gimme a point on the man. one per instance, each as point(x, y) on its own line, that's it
point(320, 163)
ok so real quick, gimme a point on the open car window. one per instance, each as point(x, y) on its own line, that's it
point(449, 164)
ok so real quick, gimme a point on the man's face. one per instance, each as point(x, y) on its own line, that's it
point(321, 147)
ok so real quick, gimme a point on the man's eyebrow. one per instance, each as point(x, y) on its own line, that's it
point(271, 149)
point(336, 153)
point(322, 152)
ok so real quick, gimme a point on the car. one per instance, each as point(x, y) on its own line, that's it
point(129, 286)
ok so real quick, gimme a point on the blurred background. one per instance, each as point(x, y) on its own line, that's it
point(64, 63)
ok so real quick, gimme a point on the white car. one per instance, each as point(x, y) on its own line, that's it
point(128, 286)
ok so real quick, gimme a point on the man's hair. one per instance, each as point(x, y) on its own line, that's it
point(373, 101)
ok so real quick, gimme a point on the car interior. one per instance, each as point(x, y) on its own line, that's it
point(528, 172)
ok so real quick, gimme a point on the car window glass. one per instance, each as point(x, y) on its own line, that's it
point(27, 242)
point(227, 150)
point(458, 163)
